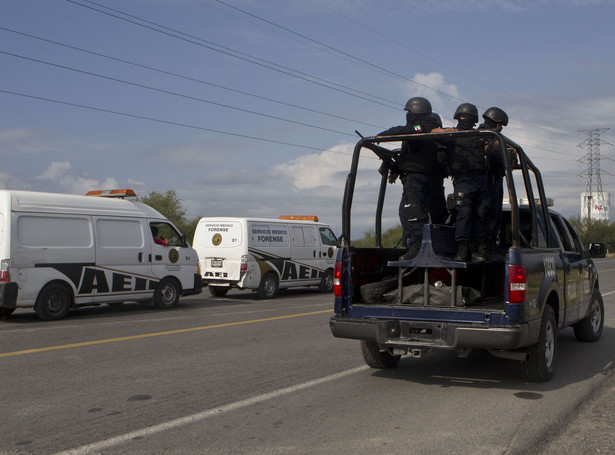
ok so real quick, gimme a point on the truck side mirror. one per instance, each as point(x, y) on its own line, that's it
point(597, 250)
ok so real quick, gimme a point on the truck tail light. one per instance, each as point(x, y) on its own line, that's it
point(5, 275)
point(244, 263)
point(337, 279)
point(517, 283)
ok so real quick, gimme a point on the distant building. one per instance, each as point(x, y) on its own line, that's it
point(596, 206)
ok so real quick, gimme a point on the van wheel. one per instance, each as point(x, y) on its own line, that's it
point(540, 361)
point(375, 358)
point(268, 287)
point(590, 328)
point(326, 284)
point(218, 291)
point(167, 293)
point(53, 302)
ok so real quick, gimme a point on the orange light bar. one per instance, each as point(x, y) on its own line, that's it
point(112, 193)
point(299, 217)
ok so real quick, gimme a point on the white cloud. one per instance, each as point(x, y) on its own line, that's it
point(318, 170)
point(58, 173)
point(55, 171)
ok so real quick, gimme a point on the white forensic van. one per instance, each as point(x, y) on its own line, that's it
point(265, 254)
point(59, 251)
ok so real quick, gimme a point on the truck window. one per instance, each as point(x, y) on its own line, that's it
point(578, 246)
point(562, 233)
point(327, 237)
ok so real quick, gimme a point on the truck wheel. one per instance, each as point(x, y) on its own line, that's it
point(268, 287)
point(375, 358)
point(6, 312)
point(326, 284)
point(53, 302)
point(167, 293)
point(590, 328)
point(540, 361)
point(218, 291)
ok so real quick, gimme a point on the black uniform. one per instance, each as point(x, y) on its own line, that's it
point(423, 179)
point(495, 187)
point(468, 167)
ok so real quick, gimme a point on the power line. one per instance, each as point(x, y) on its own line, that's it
point(370, 64)
point(244, 57)
point(167, 122)
point(193, 98)
point(200, 81)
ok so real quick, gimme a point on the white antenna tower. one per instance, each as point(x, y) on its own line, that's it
point(592, 158)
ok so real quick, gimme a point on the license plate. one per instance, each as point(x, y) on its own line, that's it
point(216, 262)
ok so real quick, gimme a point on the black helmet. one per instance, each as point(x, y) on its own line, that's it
point(466, 108)
point(418, 105)
point(496, 115)
point(436, 118)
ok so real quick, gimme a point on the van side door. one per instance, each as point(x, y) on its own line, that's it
point(122, 269)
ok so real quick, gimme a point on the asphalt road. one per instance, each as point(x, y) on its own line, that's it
point(237, 375)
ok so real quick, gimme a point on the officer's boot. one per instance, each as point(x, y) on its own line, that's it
point(463, 251)
point(413, 250)
point(483, 253)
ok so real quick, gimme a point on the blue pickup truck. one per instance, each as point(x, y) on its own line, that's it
point(513, 305)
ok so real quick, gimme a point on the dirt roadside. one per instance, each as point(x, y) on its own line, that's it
point(591, 429)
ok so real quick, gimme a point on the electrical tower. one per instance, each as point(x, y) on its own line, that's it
point(593, 200)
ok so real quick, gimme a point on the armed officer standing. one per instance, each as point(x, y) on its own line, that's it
point(468, 167)
point(423, 175)
point(495, 119)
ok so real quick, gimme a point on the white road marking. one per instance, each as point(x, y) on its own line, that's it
point(117, 440)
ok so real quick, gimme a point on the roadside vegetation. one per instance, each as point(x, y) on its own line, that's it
point(589, 231)
point(170, 205)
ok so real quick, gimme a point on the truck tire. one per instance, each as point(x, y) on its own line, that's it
point(268, 287)
point(167, 294)
point(326, 284)
point(6, 312)
point(53, 302)
point(540, 362)
point(590, 328)
point(375, 358)
point(218, 291)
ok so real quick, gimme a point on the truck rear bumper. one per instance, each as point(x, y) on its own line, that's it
point(435, 335)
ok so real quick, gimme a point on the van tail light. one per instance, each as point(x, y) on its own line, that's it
point(244, 263)
point(5, 276)
point(337, 279)
point(517, 283)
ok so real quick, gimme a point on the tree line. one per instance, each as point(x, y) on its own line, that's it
point(589, 231)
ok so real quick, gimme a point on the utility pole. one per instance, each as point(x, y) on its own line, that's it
point(594, 182)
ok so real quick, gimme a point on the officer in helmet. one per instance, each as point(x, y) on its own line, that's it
point(468, 167)
point(422, 175)
point(495, 119)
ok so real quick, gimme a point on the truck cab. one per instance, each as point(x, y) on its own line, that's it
point(540, 281)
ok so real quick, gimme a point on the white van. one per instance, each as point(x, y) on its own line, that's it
point(60, 250)
point(265, 254)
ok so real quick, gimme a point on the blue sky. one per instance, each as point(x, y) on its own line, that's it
point(248, 108)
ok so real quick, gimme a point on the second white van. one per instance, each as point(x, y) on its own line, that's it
point(265, 255)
